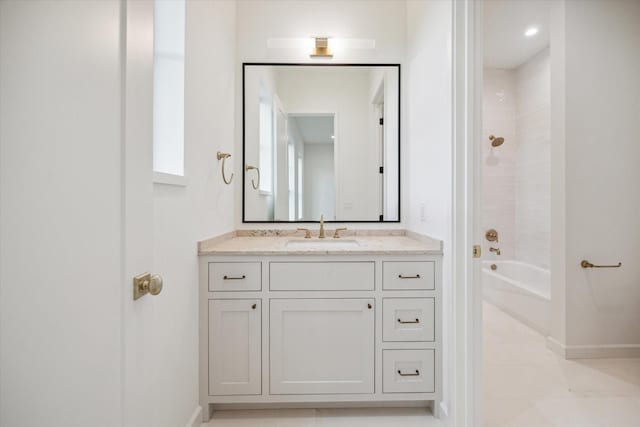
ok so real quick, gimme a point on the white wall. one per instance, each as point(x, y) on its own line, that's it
point(533, 161)
point(600, 152)
point(429, 140)
point(60, 207)
point(203, 208)
point(258, 21)
point(319, 181)
point(382, 20)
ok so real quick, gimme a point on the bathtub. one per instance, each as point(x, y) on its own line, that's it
point(520, 289)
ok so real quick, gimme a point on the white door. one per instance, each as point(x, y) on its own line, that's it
point(235, 347)
point(321, 346)
point(139, 317)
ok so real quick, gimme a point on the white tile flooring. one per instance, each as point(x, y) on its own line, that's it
point(527, 385)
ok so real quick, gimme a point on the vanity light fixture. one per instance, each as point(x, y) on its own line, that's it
point(531, 31)
point(321, 49)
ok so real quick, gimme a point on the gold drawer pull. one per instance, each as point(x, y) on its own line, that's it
point(409, 375)
point(234, 278)
point(408, 321)
point(400, 276)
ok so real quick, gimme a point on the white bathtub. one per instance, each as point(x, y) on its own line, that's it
point(522, 290)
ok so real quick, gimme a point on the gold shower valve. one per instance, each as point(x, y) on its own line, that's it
point(491, 235)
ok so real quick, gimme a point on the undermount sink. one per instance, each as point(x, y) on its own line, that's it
point(323, 244)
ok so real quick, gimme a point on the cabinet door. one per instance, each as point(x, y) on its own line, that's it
point(321, 346)
point(235, 347)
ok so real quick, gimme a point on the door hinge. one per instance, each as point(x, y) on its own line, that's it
point(381, 169)
point(477, 251)
point(381, 121)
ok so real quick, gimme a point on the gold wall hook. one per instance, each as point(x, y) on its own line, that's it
point(223, 156)
point(253, 183)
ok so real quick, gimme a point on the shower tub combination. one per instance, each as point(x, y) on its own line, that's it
point(520, 289)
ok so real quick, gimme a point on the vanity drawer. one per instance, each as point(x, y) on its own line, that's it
point(409, 275)
point(235, 276)
point(408, 319)
point(322, 276)
point(408, 371)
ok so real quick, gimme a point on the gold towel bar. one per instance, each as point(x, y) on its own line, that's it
point(586, 264)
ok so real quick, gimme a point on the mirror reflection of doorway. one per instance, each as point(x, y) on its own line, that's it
point(312, 140)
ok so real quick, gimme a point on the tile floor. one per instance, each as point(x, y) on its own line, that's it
point(527, 385)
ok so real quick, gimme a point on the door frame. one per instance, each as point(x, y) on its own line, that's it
point(467, 293)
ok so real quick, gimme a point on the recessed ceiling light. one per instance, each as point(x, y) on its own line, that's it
point(531, 31)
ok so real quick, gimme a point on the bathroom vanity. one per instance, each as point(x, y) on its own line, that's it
point(288, 321)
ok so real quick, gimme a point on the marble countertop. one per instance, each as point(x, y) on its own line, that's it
point(275, 242)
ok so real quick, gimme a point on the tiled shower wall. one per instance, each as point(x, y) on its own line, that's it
point(499, 163)
point(516, 175)
point(533, 162)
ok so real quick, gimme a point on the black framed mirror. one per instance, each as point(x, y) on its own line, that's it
point(321, 140)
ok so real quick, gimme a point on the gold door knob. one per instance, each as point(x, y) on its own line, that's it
point(146, 284)
point(155, 284)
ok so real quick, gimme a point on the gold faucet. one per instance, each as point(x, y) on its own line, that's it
point(496, 250)
point(321, 235)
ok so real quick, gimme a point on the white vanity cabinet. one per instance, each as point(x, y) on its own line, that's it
point(235, 367)
point(319, 329)
point(320, 346)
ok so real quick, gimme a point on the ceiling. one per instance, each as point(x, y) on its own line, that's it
point(315, 129)
point(505, 21)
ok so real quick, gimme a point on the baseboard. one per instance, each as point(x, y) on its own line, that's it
point(196, 418)
point(444, 414)
point(555, 346)
point(606, 351)
point(321, 405)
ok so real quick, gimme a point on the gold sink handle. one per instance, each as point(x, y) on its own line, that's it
point(336, 234)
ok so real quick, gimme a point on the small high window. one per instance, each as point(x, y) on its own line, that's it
point(168, 87)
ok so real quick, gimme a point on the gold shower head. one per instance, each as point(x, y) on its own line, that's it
point(496, 141)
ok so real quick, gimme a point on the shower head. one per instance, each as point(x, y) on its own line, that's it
point(496, 141)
